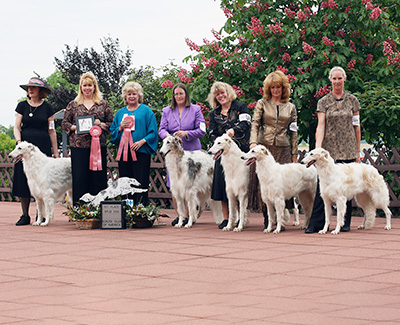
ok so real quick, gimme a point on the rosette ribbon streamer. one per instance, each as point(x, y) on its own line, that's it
point(127, 141)
point(95, 152)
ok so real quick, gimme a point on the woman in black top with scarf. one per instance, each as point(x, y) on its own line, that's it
point(233, 118)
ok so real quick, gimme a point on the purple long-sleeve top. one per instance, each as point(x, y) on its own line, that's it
point(191, 120)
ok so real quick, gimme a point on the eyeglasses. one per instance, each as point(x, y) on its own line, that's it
point(179, 95)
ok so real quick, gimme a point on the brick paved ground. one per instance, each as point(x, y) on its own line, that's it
point(163, 275)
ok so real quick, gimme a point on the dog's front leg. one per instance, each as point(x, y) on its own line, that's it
point(40, 210)
point(181, 209)
point(280, 213)
point(328, 212)
point(49, 211)
point(341, 210)
point(192, 210)
point(243, 201)
point(232, 212)
point(271, 216)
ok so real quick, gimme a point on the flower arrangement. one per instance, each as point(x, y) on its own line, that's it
point(82, 212)
point(140, 216)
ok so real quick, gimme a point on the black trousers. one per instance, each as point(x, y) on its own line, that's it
point(318, 213)
point(85, 180)
point(139, 170)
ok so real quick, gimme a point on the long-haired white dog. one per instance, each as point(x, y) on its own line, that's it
point(48, 179)
point(236, 179)
point(280, 182)
point(190, 175)
point(341, 182)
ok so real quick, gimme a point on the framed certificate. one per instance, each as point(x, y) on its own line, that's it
point(112, 215)
point(84, 124)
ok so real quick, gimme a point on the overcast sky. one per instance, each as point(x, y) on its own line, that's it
point(32, 33)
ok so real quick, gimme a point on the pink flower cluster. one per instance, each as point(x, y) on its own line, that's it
point(369, 59)
point(327, 41)
point(308, 48)
point(290, 13)
point(195, 68)
point(352, 46)
point(211, 75)
point(226, 72)
point(387, 48)
point(228, 13)
point(216, 34)
point(291, 77)
point(392, 60)
point(322, 91)
point(239, 92)
point(375, 13)
point(340, 33)
point(303, 33)
point(210, 63)
point(167, 84)
point(286, 57)
point(260, 6)
point(351, 65)
point(242, 40)
point(252, 105)
point(329, 4)
point(283, 69)
point(204, 108)
point(182, 74)
point(277, 28)
point(327, 59)
point(192, 45)
point(301, 15)
point(256, 27)
point(252, 69)
point(326, 21)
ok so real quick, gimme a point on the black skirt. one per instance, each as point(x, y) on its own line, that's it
point(218, 192)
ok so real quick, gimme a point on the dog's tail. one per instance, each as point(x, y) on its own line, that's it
point(216, 208)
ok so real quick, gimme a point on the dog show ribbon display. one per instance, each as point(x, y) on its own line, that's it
point(126, 142)
point(95, 152)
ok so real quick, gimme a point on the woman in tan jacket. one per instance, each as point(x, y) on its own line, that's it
point(274, 125)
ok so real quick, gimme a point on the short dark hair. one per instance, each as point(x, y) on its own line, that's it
point(187, 98)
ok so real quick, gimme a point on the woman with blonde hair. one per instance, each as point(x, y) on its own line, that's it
point(88, 102)
point(136, 125)
point(274, 125)
point(233, 118)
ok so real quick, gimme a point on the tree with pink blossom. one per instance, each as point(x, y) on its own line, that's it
point(305, 39)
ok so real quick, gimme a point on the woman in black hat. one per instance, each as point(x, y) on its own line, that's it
point(34, 123)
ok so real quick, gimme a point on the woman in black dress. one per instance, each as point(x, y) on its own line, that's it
point(34, 123)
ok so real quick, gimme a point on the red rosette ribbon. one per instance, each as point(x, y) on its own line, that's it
point(95, 152)
point(126, 142)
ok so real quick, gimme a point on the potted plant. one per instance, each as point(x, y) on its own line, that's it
point(85, 216)
point(140, 216)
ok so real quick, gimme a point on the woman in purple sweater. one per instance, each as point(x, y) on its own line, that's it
point(185, 120)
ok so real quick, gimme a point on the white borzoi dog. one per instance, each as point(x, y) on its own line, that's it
point(48, 179)
point(280, 182)
point(341, 182)
point(236, 179)
point(190, 175)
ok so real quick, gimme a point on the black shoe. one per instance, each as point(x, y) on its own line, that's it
point(24, 220)
point(185, 221)
point(345, 229)
point(175, 221)
point(311, 230)
point(223, 224)
point(283, 228)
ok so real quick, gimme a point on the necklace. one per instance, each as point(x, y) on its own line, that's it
point(30, 110)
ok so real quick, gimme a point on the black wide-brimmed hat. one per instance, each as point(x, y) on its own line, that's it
point(36, 82)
